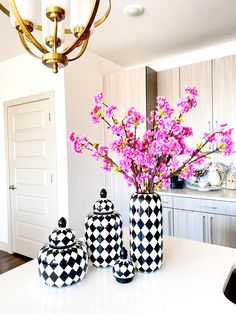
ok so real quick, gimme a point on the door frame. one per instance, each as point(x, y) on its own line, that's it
point(12, 103)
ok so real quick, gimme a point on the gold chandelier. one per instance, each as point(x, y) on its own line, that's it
point(54, 15)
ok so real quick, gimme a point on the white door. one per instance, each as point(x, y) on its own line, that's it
point(32, 172)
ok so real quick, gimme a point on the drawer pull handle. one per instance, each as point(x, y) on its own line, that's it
point(204, 228)
point(211, 230)
point(204, 206)
point(169, 223)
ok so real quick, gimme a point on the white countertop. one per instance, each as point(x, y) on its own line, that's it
point(191, 281)
point(219, 195)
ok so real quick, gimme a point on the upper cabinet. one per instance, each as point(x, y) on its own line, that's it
point(136, 87)
point(199, 118)
point(216, 84)
point(168, 85)
point(224, 91)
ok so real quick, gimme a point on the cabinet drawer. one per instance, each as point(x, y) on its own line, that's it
point(167, 201)
point(206, 206)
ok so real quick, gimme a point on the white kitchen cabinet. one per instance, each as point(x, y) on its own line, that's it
point(171, 83)
point(222, 230)
point(168, 226)
point(190, 225)
point(216, 81)
point(167, 214)
point(224, 91)
point(200, 117)
point(205, 220)
point(136, 87)
point(168, 86)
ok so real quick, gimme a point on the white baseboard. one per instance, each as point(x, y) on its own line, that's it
point(4, 247)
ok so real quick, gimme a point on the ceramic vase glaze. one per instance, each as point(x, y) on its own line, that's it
point(103, 233)
point(64, 261)
point(124, 269)
point(146, 232)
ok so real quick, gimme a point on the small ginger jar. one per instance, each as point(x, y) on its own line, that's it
point(64, 261)
point(103, 233)
point(124, 268)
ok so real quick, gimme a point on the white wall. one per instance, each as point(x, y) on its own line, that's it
point(19, 77)
point(85, 178)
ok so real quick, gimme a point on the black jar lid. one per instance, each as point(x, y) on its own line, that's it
point(104, 205)
point(61, 237)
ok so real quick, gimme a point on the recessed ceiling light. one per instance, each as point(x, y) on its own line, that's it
point(134, 10)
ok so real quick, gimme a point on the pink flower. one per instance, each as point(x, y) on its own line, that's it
point(79, 144)
point(133, 117)
point(187, 131)
point(153, 157)
point(97, 99)
point(163, 107)
point(209, 137)
point(106, 164)
point(117, 129)
point(109, 110)
point(177, 129)
point(96, 113)
point(192, 90)
point(72, 136)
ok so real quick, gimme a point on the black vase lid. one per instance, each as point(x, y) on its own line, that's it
point(104, 205)
point(61, 237)
point(123, 253)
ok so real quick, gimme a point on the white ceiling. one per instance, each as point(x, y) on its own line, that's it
point(167, 28)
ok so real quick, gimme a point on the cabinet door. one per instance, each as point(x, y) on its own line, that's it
point(167, 214)
point(190, 225)
point(136, 87)
point(168, 86)
point(126, 88)
point(222, 230)
point(224, 91)
point(199, 118)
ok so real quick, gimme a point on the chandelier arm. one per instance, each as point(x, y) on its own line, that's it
point(96, 23)
point(4, 10)
point(84, 33)
point(24, 29)
point(83, 48)
point(26, 46)
point(104, 17)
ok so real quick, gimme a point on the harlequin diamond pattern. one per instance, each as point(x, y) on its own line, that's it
point(103, 234)
point(146, 246)
point(62, 237)
point(103, 206)
point(62, 268)
point(124, 269)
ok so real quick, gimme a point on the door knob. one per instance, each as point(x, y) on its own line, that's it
point(12, 187)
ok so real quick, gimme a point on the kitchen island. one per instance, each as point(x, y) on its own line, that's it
point(190, 281)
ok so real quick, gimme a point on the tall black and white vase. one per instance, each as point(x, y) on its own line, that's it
point(146, 231)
